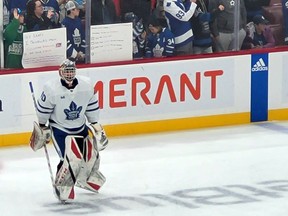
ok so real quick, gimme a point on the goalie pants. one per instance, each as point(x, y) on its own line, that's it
point(58, 137)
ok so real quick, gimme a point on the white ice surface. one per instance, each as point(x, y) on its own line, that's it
point(227, 171)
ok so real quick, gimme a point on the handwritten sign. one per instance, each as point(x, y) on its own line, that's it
point(44, 48)
point(111, 42)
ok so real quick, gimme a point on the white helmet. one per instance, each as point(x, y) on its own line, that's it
point(67, 71)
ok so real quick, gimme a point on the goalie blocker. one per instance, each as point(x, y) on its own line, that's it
point(40, 136)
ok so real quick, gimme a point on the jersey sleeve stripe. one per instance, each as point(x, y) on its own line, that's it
point(43, 107)
point(90, 104)
point(91, 110)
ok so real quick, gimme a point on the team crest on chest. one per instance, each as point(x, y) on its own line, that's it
point(73, 112)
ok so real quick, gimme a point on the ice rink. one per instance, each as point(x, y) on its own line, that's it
point(226, 171)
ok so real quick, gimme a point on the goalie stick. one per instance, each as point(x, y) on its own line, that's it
point(55, 190)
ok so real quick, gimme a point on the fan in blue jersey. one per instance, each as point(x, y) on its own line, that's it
point(178, 14)
point(160, 42)
point(139, 34)
point(67, 108)
point(75, 33)
point(201, 20)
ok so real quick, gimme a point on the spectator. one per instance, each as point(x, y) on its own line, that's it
point(178, 16)
point(13, 40)
point(62, 11)
point(159, 13)
point(160, 42)
point(139, 34)
point(201, 19)
point(52, 5)
point(259, 35)
point(103, 12)
point(75, 33)
point(82, 4)
point(223, 24)
point(36, 20)
point(141, 8)
point(254, 7)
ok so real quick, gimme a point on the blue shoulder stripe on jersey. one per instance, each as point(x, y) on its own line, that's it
point(93, 103)
point(91, 110)
point(40, 111)
point(47, 108)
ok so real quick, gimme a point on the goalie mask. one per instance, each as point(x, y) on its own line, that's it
point(67, 71)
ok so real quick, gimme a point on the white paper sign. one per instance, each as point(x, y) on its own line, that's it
point(111, 42)
point(44, 48)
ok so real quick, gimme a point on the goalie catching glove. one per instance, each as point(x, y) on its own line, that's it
point(40, 136)
point(100, 135)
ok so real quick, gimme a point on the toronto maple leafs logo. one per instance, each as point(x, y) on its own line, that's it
point(73, 112)
point(158, 51)
point(77, 37)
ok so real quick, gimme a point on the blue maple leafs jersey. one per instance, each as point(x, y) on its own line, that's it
point(75, 36)
point(161, 44)
point(67, 109)
point(178, 15)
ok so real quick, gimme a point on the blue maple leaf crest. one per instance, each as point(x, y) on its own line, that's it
point(73, 112)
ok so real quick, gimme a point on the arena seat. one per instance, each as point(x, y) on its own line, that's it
point(275, 2)
point(278, 33)
point(273, 14)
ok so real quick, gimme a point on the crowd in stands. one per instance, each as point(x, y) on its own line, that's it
point(161, 28)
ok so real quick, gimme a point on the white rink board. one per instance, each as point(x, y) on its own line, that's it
point(278, 80)
point(222, 94)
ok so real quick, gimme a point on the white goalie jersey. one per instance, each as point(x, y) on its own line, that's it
point(67, 109)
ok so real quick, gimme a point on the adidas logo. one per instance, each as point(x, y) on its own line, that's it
point(260, 66)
